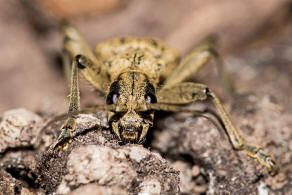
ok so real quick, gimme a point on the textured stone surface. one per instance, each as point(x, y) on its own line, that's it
point(18, 128)
point(10, 185)
point(95, 156)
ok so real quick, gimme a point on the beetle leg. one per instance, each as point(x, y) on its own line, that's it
point(87, 110)
point(95, 71)
point(74, 108)
point(80, 62)
point(197, 59)
point(76, 48)
point(66, 67)
point(187, 92)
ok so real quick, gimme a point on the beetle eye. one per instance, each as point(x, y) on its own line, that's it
point(115, 98)
point(150, 93)
point(150, 98)
point(112, 98)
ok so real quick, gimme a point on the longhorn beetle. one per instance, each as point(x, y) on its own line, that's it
point(139, 76)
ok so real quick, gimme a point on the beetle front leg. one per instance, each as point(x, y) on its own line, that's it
point(74, 45)
point(188, 92)
point(74, 109)
point(79, 62)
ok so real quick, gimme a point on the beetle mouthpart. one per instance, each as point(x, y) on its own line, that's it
point(116, 129)
point(143, 131)
point(130, 131)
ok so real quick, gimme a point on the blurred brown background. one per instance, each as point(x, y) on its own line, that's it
point(30, 43)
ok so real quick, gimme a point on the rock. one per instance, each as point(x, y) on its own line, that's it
point(186, 184)
point(152, 186)
point(18, 128)
point(10, 185)
point(95, 157)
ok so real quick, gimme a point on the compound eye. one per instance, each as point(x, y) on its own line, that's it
point(115, 98)
point(150, 99)
point(112, 98)
point(150, 94)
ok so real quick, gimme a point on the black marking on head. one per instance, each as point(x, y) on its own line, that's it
point(133, 81)
point(139, 59)
point(134, 59)
point(114, 89)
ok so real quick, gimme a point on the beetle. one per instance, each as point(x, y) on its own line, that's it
point(140, 76)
